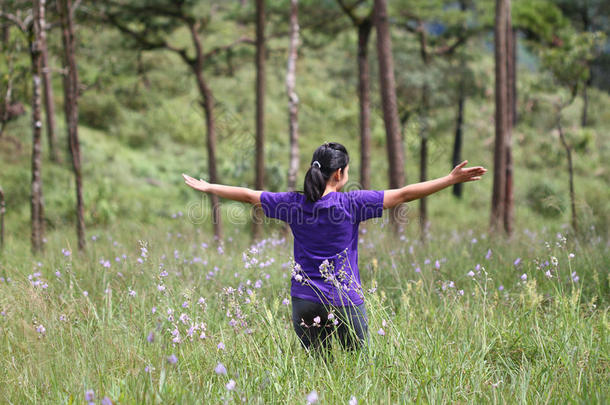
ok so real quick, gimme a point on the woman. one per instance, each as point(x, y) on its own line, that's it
point(325, 287)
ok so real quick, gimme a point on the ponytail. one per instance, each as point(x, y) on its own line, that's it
point(326, 159)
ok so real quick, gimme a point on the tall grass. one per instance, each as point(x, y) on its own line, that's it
point(451, 321)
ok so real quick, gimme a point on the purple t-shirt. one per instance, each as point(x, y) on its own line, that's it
point(325, 230)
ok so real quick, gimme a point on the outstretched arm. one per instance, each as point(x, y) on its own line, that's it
point(242, 194)
point(411, 192)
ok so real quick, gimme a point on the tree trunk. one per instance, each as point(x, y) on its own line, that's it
point(6, 35)
point(423, 160)
point(513, 74)
point(364, 96)
point(570, 172)
point(48, 88)
point(71, 112)
point(510, 106)
point(388, 101)
point(259, 181)
point(585, 99)
point(36, 206)
point(501, 117)
point(208, 106)
point(456, 158)
point(2, 211)
point(586, 22)
point(293, 98)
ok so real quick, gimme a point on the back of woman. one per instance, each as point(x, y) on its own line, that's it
point(326, 292)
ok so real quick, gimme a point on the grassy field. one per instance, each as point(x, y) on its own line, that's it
point(155, 315)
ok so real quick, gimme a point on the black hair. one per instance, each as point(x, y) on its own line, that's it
point(326, 159)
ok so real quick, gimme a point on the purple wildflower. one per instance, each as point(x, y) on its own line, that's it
point(220, 369)
point(312, 397)
point(230, 385)
point(172, 359)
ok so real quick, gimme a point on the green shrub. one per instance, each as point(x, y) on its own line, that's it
point(545, 199)
point(99, 110)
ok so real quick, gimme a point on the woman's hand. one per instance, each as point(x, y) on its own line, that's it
point(200, 185)
point(459, 174)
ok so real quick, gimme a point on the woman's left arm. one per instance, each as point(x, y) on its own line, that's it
point(242, 194)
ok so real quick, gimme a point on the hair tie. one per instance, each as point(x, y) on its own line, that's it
point(316, 163)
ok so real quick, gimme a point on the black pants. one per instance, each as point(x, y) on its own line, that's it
point(351, 324)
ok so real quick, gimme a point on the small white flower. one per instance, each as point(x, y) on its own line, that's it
point(230, 385)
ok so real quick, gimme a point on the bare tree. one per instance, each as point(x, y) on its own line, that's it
point(153, 35)
point(259, 181)
point(501, 117)
point(510, 122)
point(456, 156)
point(48, 88)
point(293, 98)
point(388, 101)
point(2, 211)
point(364, 26)
point(37, 215)
point(71, 111)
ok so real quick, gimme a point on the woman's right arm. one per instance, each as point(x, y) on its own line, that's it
point(415, 191)
point(242, 194)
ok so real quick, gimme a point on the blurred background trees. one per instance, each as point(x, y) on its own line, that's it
point(155, 88)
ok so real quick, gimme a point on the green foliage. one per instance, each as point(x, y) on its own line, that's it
point(546, 199)
point(570, 61)
point(541, 20)
point(99, 110)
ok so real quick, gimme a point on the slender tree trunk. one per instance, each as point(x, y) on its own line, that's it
point(513, 75)
point(37, 215)
point(208, 107)
point(501, 116)
point(570, 172)
point(586, 22)
point(388, 101)
point(48, 87)
point(259, 181)
point(456, 158)
point(364, 95)
point(293, 98)
point(423, 161)
point(71, 112)
point(511, 107)
point(2, 211)
point(584, 121)
point(6, 35)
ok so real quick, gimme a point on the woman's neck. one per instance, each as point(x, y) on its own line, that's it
point(329, 189)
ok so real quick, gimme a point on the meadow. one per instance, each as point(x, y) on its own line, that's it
point(167, 315)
